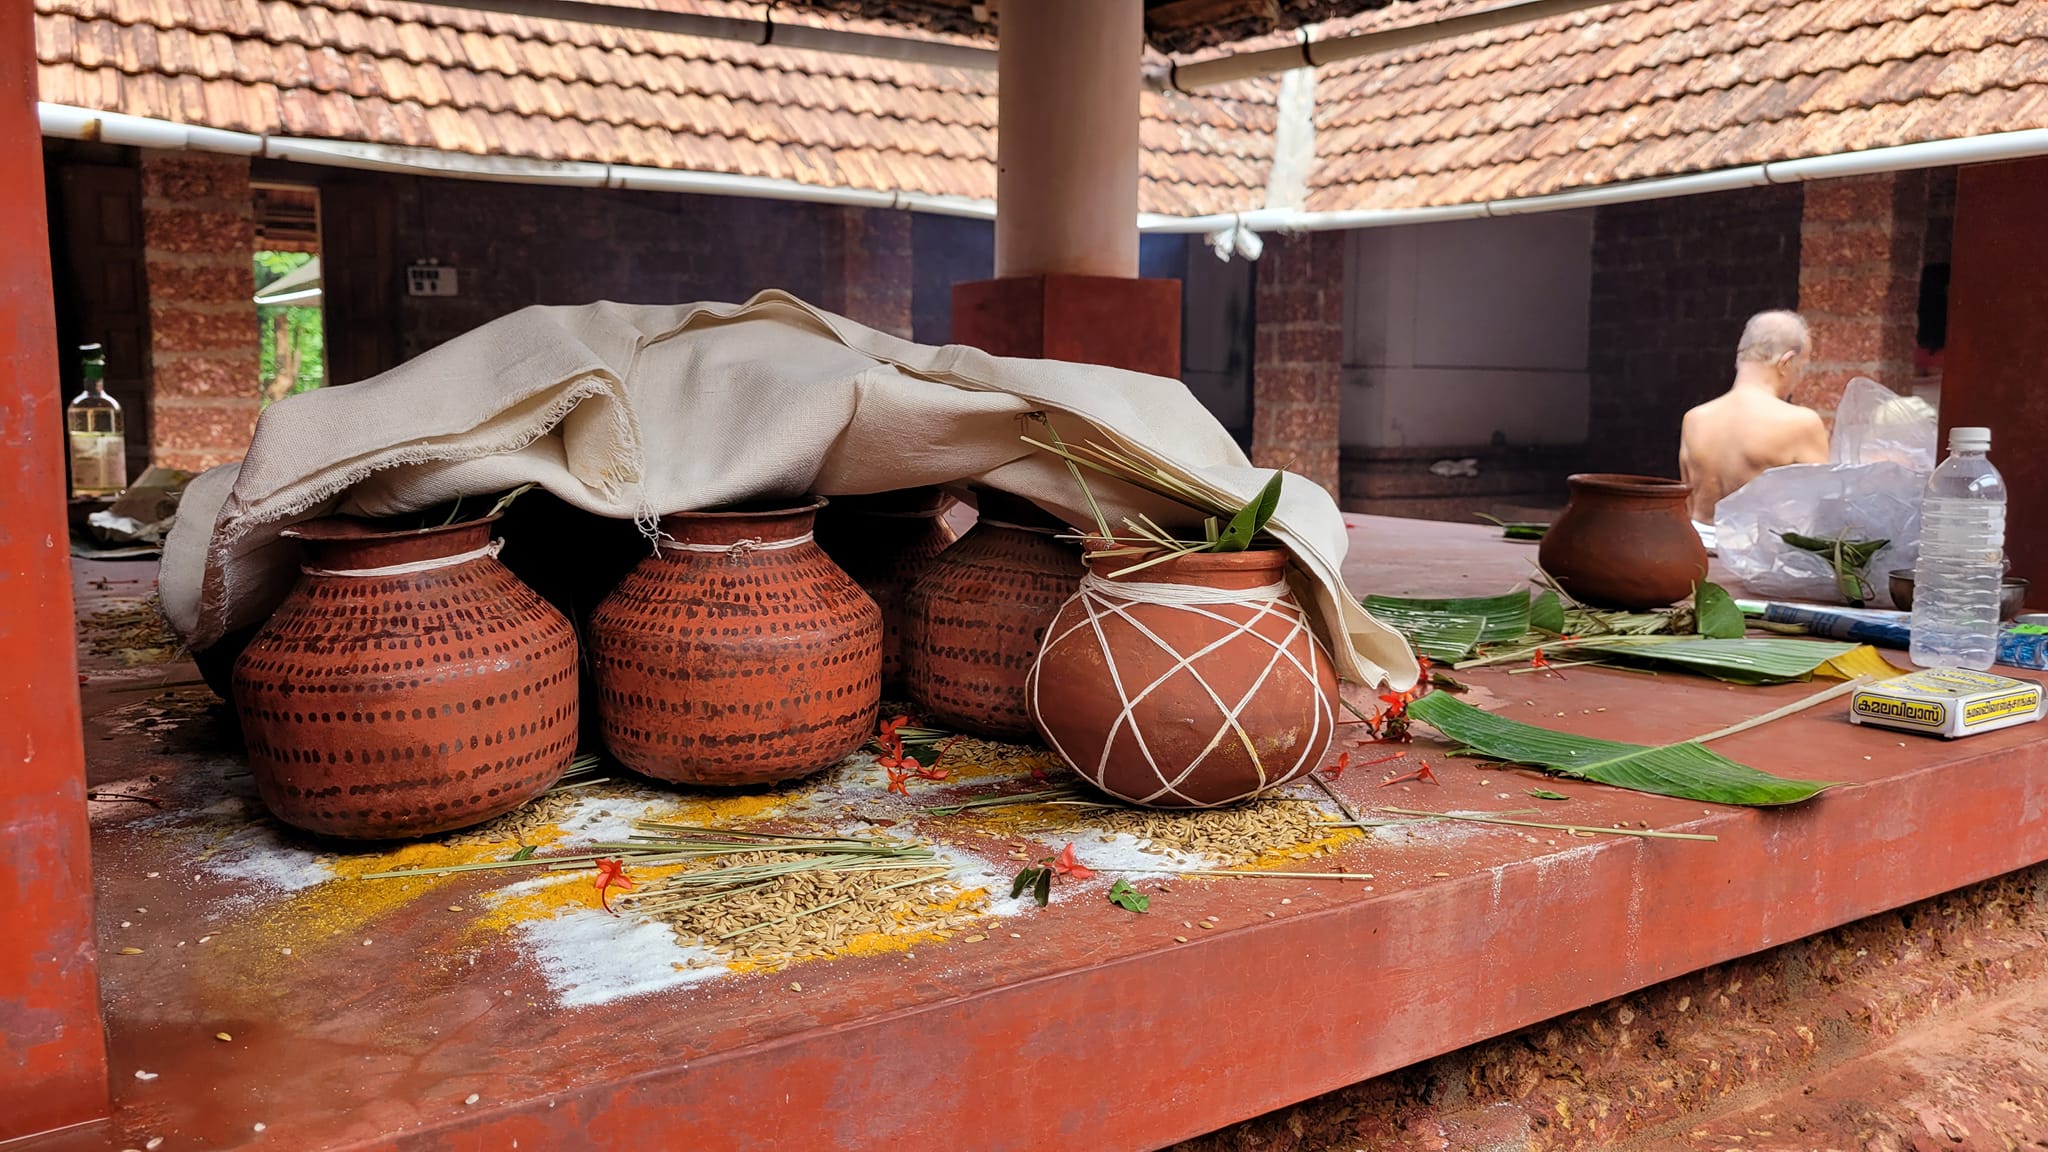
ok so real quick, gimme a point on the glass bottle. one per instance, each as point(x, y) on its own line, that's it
point(99, 449)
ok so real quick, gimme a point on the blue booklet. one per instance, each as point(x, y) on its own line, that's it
point(2019, 646)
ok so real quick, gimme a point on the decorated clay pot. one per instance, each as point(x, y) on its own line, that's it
point(408, 685)
point(1625, 542)
point(887, 543)
point(1193, 683)
point(738, 653)
point(973, 625)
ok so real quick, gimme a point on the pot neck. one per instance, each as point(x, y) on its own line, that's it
point(344, 544)
point(1238, 571)
point(762, 529)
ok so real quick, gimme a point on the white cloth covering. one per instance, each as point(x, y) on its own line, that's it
point(635, 411)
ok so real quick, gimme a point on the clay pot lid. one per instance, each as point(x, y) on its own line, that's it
point(1626, 484)
point(354, 528)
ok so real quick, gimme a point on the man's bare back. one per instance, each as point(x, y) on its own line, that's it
point(1725, 442)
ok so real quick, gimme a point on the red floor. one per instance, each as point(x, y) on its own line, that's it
point(1089, 1027)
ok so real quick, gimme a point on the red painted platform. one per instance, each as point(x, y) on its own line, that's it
point(1077, 1026)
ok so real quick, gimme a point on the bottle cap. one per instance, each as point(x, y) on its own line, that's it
point(1969, 439)
point(88, 347)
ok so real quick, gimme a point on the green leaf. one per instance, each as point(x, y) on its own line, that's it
point(1451, 629)
point(1547, 794)
point(1546, 614)
point(1251, 519)
point(1718, 616)
point(1025, 879)
point(1516, 529)
point(525, 853)
point(1758, 660)
point(1689, 771)
point(1042, 890)
point(1123, 895)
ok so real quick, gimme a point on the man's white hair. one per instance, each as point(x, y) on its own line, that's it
point(1769, 335)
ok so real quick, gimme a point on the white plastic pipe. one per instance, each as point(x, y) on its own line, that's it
point(65, 122)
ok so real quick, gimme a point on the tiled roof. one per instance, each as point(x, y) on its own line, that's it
point(1662, 87)
point(1637, 89)
point(390, 72)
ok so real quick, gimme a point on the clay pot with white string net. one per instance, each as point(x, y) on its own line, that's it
point(1193, 683)
point(738, 654)
point(408, 685)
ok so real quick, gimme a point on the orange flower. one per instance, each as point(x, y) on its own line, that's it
point(1422, 774)
point(1065, 865)
point(611, 873)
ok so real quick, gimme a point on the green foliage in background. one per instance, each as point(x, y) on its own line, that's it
point(302, 321)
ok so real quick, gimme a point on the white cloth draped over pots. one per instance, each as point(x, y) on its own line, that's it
point(635, 411)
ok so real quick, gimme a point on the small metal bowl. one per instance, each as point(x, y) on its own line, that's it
point(2012, 596)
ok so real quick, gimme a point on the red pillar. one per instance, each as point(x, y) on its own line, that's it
point(1298, 358)
point(1998, 341)
point(53, 1062)
point(1860, 242)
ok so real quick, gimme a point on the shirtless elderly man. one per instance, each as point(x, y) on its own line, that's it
point(1725, 442)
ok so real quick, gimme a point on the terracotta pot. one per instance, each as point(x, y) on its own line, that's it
point(738, 654)
point(405, 703)
point(887, 543)
point(972, 626)
point(1194, 683)
point(1625, 542)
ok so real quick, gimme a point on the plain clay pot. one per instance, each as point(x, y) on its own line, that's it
point(1625, 542)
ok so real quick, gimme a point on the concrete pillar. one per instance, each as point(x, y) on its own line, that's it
point(1067, 138)
point(868, 267)
point(199, 236)
point(1298, 355)
point(53, 1063)
point(1998, 341)
point(1067, 285)
point(1860, 247)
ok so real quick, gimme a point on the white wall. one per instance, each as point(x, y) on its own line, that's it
point(1457, 332)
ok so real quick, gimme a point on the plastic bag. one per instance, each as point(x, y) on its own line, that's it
point(1852, 502)
point(1875, 425)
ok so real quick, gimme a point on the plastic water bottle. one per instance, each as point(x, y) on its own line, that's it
point(1962, 558)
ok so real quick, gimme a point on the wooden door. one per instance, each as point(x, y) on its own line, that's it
point(360, 278)
point(105, 295)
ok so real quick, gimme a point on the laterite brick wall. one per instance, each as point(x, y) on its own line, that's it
point(1861, 244)
point(198, 239)
point(1298, 358)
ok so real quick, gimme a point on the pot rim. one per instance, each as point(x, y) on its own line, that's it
point(763, 509)
point(1628, 484)
point(1261, 560)
point(353, 529)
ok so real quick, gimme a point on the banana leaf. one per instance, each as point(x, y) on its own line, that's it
point(1760, 660)
point(1689, 771)
point(1451, 629)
